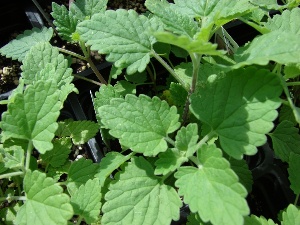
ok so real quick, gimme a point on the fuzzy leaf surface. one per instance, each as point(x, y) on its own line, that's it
point(240, 108)
point(213, 187)
point(287, 21)
point(139, 194)
point(108, 164)
point(86, 201)
point(13, 157)
point(44, 62)
point(59, 154)
point(140, 123)
point(79, 131)
point(254, 220)
point(46, 203)
point(278, 46)
point(291, 216)
point(294, 171)
point(285, 139)
point(32, 116)
point(64, 21)
point(123, 35)
point(178, 23)
point(79, 173)
point(218, 12)
point(18, 48)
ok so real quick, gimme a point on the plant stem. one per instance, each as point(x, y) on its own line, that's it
point(293, 83)
point(12, 174)
point(87, 79)
point(170, 70)
point(12, 198)
point(79, 220)
point(170, 141)
point(28, 154)
point(205, 139)
point(86, 53)
point(72, 53)
point(296, 199)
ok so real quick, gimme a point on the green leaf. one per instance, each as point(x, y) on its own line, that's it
point(32, 116)
point(87, 8)
point(267, 4)
point(64, 21)
point(287, 21)
point(240, 122)
point(218, 12)
point(294, 171)
point(286, 113)
point(8, 214)
point(187, 138)
point(59, 154)
point(108, 164)
point(137, 195)
point(123, 35)
point(86, 201)
point(44, 62)
point(212, 188)
point(291, 71)
point(285, 139)
point(46, 203)
point(194, 219)
point(291, 216)
point(18, 48)
point(124, 87)
point(79, 131)
point(79, 173)
point(14, 157)
point(278, 46)
point(190, 45)
point(169, 161)
point(254, 220)
point(240, 167)
point(140, 123)
point(180, 24)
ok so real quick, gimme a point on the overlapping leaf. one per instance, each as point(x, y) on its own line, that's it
point(44, 62)
point(79, 131)
point(294, 171)
point(46, 203)
point(111, 162)
point(240, 108)
point(140, 198)
point(59, 154)
point(285, 139)
point(66, 20)
point(213, 187)
point(287, 21)
point(79, 173)
point(13, 157)
point(140, 123)
point(254, 220)
point(32, 116)
point(215, 11)
point(86, 201)
point(180, 24)
point(18, 48)
point(123, 35)
point(291, 216)
point(278, 46)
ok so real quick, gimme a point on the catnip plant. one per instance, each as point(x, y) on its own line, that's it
point(183, 145)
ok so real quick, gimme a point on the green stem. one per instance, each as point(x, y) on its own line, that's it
point(296, 199)
point(13, 198)
point(28, 155)
point(12, 174)
point(170, 141)
point(87, 79)
point(196, 58)
point(170, 70)
point(86, 52)
point(72, 53)
point(205, 139)
point(293, 83)
point(79, 220)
